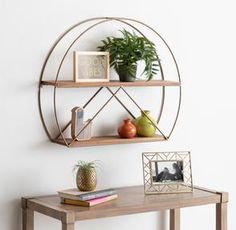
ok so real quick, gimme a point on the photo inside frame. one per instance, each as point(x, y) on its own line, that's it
point(167, 171)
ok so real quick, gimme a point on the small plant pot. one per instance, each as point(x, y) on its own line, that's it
point(125, 75)
point(86, 179)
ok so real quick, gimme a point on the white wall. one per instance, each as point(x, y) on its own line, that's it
point(201, 33)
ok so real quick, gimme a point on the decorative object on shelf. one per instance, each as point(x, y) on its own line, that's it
point(126, 51)
point(167, 172)
point(86, 176)
point(127, 129)
point(75, 194)
point(91, 66)
point(78, 124)
point(89, 203)
point(88, 199)
point(145, 124)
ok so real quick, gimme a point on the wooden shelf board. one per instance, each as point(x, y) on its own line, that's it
point(110, 140)
point(72, 84)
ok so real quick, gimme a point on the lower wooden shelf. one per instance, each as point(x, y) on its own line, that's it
point(110, 140)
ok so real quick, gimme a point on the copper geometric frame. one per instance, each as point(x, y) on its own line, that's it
point(159, 188)
point(101, 20)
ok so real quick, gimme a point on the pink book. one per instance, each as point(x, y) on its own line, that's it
point(89, 203)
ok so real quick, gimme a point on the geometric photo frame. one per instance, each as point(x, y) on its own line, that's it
point(167, 172)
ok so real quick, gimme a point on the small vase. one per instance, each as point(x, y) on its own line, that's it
point(125, 75)
point(145, 127)
point(127, 129)
point(86, 179)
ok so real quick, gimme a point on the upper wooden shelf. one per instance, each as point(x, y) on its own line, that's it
point(72, 84)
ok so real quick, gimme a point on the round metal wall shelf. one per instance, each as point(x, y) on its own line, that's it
point(60, 138)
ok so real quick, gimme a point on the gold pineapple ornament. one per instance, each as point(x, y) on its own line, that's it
point(86, 176)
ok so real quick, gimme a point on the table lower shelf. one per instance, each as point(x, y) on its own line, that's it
point(109, 140)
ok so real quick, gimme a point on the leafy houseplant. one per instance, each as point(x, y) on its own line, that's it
point(86, 176)
point(126, 51)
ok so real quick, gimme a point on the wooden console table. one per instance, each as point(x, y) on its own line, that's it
point(130, 200)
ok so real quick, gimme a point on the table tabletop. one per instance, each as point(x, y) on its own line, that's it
point(130, 200)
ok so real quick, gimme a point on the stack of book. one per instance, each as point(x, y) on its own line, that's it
point(87, 199)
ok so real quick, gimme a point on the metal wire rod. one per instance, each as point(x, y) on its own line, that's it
point(95, 116)
point(85, 105)
point(130, 113)
point(57, 75)
point(63, 130)
point(96, 93)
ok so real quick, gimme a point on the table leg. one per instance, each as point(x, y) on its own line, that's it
point(28, 219)
point(175, 219)
point(221, 216)
point(68, 226)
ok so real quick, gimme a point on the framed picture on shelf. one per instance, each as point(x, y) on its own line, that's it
point(91, 66)
point(167, 172)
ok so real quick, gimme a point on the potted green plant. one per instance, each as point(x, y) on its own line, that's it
point(126, 51)
point(86, 176)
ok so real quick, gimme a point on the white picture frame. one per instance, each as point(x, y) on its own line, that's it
point(91, 66)
point(155, 165)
